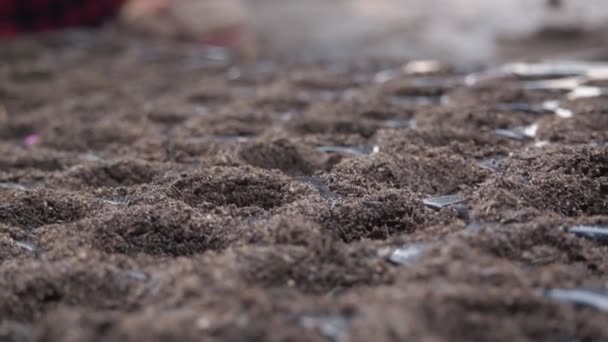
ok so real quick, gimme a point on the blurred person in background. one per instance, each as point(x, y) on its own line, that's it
point(214, 22)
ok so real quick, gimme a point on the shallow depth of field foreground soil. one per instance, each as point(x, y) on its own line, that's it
point(153, 192)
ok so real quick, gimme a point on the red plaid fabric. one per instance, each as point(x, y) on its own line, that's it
point(22, 16)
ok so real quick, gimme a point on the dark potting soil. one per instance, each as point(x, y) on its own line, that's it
point(157, 192)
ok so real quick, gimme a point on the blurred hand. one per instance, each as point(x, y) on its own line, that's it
point(216, 22)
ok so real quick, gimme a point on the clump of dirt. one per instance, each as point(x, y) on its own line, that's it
point(377, 216)
point(566, 181)
point(418, 171)
point(166, 228)
point(323, 266)
point(31, 288)
point(154, 191)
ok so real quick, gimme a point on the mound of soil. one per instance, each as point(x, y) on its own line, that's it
point(154, 191)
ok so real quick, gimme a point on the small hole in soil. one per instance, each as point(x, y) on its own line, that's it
point(51, 296)
point(122, 173)
point(232, 186)
point(282, 154)
point(32, 209)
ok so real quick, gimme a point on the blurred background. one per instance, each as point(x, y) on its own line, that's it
point(456, 31)
point(460, 31)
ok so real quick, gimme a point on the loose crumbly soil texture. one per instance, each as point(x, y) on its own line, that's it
point(154, 191)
